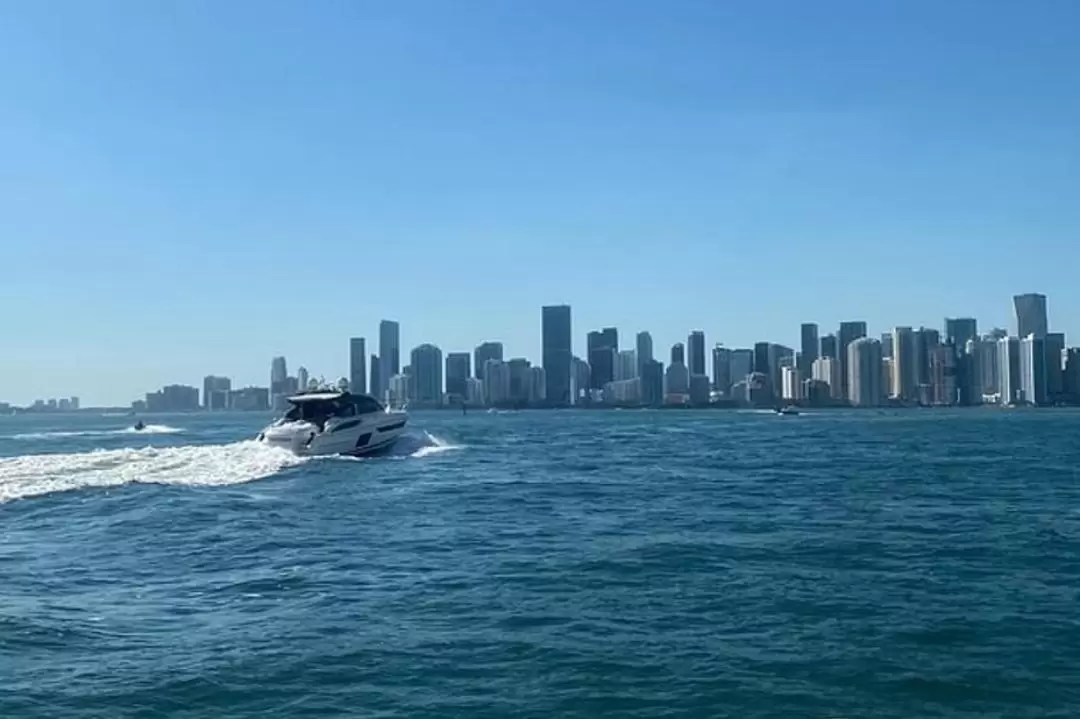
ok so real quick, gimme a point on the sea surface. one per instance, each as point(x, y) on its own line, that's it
point(546, 564)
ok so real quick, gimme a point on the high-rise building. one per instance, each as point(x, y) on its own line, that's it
point(958, 330)
point(625, 365)
point(426, 364)
point(1033, 370)
point(537, 386)
point(1071, 379)
point(302, 379)
point(557, 353)
point(779, 357)
point(603, 345)
point(943, 375)
point(376, 379)
point(250, 399)
point(652, 383)
point(677, 376)
point(886, 345)
point(969, 374)
point(925, 341)
point(644, 347)
point(390, 352)
point(809, 347)
point(761, 358)
point(216, 392)
point(458, 371)
point(1009, 370)
point(721, 369)
point(827, 346)
point(864, 366)
point(579, 381)
point(699, 390)
point(791, 386)
point(279, 376)
point(905, 369)
point(520, 380)
point(1031, 315)
point(484, 352)
point(496, 382)
point(678, 353)
point(849, 332)
point(357, 365)
point(826, 370)
point(986, 352)
point(1054, 344)
point(695, 347)
point(742, 365)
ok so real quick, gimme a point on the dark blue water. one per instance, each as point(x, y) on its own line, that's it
point(620, 564)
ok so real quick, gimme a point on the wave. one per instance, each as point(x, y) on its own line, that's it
point(206, 465)
point(148, 429)
point(433, 445)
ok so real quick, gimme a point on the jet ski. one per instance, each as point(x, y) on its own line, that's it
point(139, 426)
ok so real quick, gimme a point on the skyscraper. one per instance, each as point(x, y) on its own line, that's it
point(484, 352)
point(943, 375)
point(216, 391)
point(426, 363)
point(602, 348)
point(1031, 315)
point(721, 369)
point(1054, 345)
point(925, 341)
point(958, 330)
point(1033, 370)
point(520, 380)
point(457, 374)
point(1009, 370)
point(677, 376)
point(827, 347)
point(644, 350)
point(557, 353)
point(626, 365)
point(358, 365)
point(652, 383)
point(905, 370)
point(302, 379)
point(390, 353)
point(761, 358)
point(809, 347)
point(279, 383)
point(864, 365)
point(695, 347)
point(742, 365)
point(849, 332)
point(376, 379)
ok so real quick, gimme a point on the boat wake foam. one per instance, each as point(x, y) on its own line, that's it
point(206, 465)
point(148, 429)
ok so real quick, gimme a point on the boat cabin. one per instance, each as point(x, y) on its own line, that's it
point(318, 407)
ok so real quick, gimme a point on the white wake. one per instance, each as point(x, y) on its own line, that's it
point(148, 429)
point(206, 465)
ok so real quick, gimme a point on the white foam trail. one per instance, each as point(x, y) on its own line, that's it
point(206, 465)
point(436, 446)
point(148, 429)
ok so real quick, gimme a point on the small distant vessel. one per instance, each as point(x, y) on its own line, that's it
point(790, 409)
point(335, 422)
point(139, 426)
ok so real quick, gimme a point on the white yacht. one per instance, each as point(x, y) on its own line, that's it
point(333, 422)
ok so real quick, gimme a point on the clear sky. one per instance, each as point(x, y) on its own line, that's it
point(192, 187)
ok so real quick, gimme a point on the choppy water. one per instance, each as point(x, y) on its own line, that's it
point(621, 564)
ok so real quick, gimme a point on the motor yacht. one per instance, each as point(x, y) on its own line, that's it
point(333, 422)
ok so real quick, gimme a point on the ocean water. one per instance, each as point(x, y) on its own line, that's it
point(546, 564)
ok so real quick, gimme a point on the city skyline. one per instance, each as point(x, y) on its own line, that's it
point(766, 356)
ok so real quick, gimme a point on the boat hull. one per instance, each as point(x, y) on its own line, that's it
point(355, 437)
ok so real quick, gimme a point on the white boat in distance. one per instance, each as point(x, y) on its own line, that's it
point(333, 422)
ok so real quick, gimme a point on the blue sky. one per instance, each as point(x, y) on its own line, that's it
point(191, 188)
